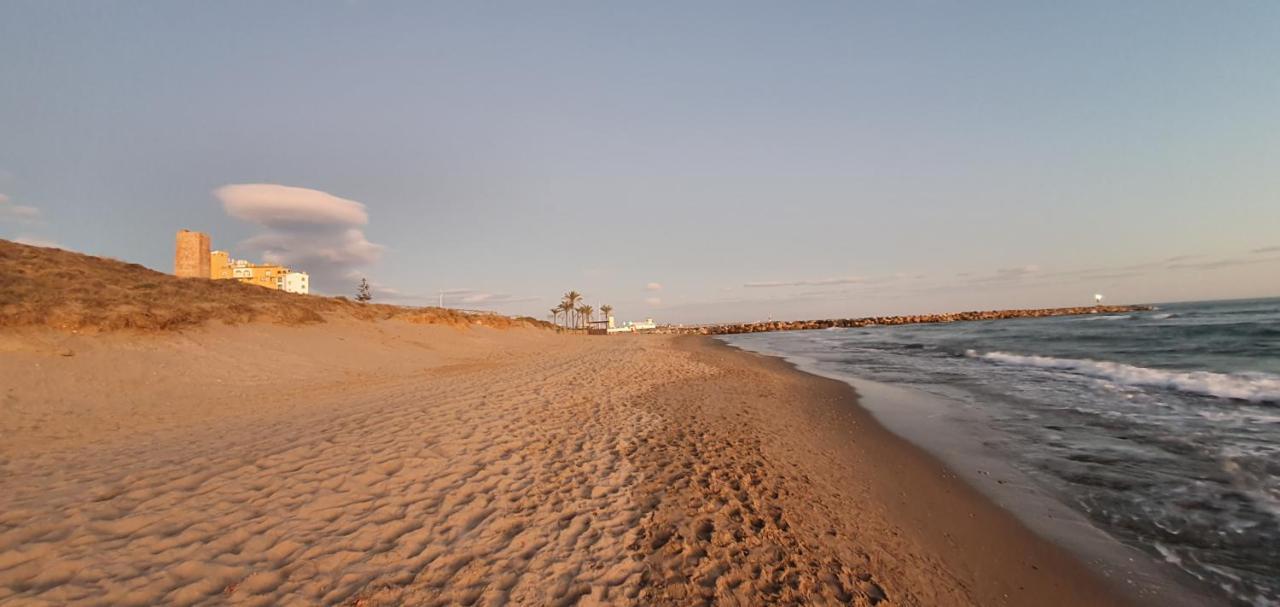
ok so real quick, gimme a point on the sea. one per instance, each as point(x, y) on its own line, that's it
point(1161, 428)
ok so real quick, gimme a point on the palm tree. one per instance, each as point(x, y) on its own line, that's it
point(571, 299)
point(586, 311)
point(606, 310)
point(555, 316)
point(564, 307)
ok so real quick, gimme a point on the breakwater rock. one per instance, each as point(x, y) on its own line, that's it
point(871, 321)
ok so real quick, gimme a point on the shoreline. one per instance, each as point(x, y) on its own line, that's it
point(915, 419)
point(991, 554)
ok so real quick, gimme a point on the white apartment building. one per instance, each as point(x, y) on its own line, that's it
point(295, 282)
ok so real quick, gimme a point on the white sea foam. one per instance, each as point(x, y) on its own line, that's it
point(1169, 555)
point(1163, 316)
point(1256, 387)
point(1110, 317)
point(1242, 416)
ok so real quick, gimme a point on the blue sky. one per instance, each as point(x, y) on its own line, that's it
point(687, 161)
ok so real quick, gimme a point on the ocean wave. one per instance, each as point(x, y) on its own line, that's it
point(1110, 317)
point(1255, 387)
point(1164, 315)
point(1250, 475)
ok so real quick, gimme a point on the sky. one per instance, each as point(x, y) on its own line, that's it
point(691, 162)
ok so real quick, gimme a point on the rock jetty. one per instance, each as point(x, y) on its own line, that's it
point(871, 321)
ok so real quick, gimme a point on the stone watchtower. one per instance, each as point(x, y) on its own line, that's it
point(191, 255)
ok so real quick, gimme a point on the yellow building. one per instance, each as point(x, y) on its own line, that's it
point(220, 265)
point(223, 267)
point(267, 275)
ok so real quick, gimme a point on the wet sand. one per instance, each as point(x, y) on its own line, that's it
point(398, 464)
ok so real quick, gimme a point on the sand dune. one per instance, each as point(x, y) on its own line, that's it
point(73, 292)
point(401, 464)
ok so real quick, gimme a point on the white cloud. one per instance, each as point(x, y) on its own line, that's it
point(9, 211)
point(805, 283)
point(1018, 271)
point(383, 292)
point(1009, 274)
point(653, 286)
point(1224, 263)
point(308, 230)
point(346, 247)
point(653, 301)
point(275, 205)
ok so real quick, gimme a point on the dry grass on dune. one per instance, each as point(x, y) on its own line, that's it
point(70, 291)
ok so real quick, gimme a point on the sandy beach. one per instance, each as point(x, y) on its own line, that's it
point(384, 463)
point(364, 304)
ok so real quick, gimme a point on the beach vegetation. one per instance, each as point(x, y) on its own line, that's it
point(570, 303)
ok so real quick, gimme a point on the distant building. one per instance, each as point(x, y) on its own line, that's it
point(296, 282)
point(191, 256)
point(220, 265)
point(269, 275)
point(193, 259)
point(632, 327)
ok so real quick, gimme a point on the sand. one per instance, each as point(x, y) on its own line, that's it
point(388, 463)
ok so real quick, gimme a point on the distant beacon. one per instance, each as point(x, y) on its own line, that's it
point(1097, 299)
point(191, 255)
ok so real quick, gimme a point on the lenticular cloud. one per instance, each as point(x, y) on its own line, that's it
point(272, 205)
point(309, 230)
